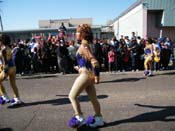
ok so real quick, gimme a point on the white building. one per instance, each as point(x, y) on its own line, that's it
point(72, 22)
point(147, 18)
point(51, 26)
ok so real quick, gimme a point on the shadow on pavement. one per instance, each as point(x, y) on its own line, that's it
point(60, 101)
point(86, 128)
point(124, 80)
point(166, 114)
point(38, 77)
point(6, 129)
point(167, 73)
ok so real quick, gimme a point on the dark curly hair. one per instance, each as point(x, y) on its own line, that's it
point(86, 32)
point(149, 40)
point(5, 39)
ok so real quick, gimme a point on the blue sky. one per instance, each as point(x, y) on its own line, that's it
point(24, 14)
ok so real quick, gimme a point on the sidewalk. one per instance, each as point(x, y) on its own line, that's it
point(47, 75)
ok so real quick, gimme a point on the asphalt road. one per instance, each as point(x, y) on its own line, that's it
point(129, 102)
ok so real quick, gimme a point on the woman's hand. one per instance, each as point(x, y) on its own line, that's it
point(76, 68)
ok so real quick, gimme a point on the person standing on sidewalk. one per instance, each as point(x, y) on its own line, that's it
point(8, 70)
point(85, 81)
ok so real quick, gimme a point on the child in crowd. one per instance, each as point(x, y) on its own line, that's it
point(111, 59)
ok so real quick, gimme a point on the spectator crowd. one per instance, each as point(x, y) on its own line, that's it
point(51, 53)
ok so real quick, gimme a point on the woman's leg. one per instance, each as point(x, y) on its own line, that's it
point(12, 78)
point(3, 94)
point(93, 98)
point(79, 85)
point(146, 63)
point(98, 119)
point(150, 65)
point(2, 89)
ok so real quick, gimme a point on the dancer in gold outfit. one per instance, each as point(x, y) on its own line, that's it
point(8, 69)
point(88, 68)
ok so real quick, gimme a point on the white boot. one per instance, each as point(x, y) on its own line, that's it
point(16, 101)
point(98, 122)
point(150, 73)
point(81, 119)
point(6, 98)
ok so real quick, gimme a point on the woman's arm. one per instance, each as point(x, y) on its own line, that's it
point(4, 55)
point(151, 48)
point(88, 55)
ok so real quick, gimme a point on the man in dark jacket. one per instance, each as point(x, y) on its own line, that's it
point(98, 51)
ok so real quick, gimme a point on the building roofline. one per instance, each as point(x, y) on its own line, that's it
point(27, 30)
point(44, 29)
point(66, 19)
point(128, 9)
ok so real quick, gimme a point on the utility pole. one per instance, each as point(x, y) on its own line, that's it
point(1, 23)
point(1, 19)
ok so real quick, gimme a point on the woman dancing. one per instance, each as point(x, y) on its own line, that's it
point(8, 70)
point(148, 57)
point(87, 64)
